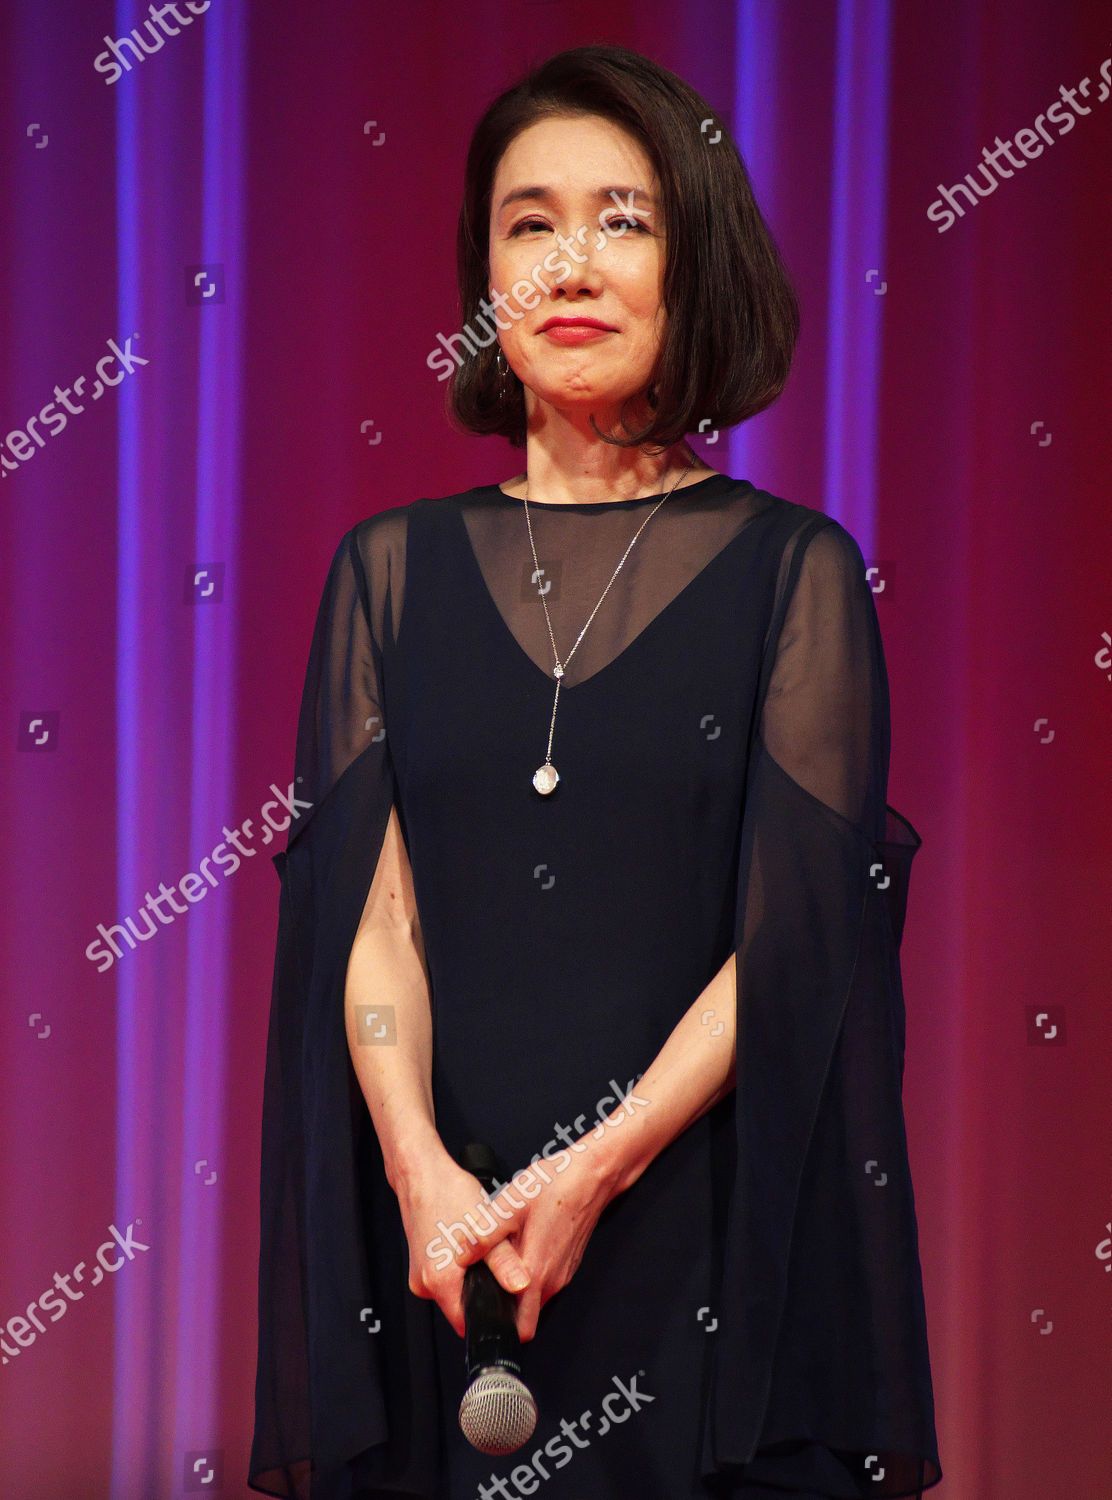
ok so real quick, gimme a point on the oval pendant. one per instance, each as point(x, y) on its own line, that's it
point(545, 778)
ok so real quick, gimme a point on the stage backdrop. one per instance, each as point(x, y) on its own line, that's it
point(224, 261)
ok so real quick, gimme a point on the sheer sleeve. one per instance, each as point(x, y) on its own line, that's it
point(821, 1375)
point(329, 1237)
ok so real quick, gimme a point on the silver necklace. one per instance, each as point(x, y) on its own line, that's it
point(546, 776)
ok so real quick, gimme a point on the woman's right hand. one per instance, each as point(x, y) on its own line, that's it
point(434, 1191)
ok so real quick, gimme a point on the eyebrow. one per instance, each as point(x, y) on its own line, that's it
point(535, 193)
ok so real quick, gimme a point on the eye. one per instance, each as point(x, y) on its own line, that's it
point(628, 222)
point(527, 224)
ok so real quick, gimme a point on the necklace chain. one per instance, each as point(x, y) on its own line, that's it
point(546, 777)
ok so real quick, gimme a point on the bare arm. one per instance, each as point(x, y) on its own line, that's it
point(692, 1071)
point(387, 968)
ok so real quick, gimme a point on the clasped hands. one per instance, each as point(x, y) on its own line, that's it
point(532, 1233)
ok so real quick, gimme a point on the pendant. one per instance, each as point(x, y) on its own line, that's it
point(545, 778)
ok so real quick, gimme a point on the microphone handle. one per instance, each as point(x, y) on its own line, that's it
point(488, 1311)
point(488, 1308)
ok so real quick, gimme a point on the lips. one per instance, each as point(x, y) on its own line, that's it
point(572, 332)
point(571, 323)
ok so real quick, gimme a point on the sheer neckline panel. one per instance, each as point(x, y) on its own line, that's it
point(577, 555)
point(496, 492)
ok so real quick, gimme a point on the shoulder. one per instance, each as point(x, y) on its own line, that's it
point(375, 548)
point(378, 538)
point(380, 541)
point(385, 528)
point(370, 553)
point(805, 535)
point(388, 528)
point(377, 544)
point(811, 562)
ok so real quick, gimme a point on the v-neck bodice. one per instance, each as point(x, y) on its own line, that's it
point(578, 548)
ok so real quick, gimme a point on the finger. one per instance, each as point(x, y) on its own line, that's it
point(478, 1242)
point(452, 1308)
point(510, 1218)
point(508, 1268)
point(449, 1299)
point(528, 1312)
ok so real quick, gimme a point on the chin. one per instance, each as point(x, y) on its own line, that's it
point(587, 392)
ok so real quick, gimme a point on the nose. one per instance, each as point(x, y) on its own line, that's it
point(586, 277)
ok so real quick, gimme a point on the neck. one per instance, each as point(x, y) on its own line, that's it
point(566, 460)
point(614, 474)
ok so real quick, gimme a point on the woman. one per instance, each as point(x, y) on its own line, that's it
point(597, 869)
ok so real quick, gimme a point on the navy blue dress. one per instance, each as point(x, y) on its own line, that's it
point(748, 1317)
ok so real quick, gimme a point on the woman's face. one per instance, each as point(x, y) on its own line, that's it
point(577, 231)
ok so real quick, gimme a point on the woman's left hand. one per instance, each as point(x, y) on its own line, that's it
point(553, 1221)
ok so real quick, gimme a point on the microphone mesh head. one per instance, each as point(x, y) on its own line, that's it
point(498, 1413)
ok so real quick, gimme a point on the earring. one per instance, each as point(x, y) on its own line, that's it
point(501, 365)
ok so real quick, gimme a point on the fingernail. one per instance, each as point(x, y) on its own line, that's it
point(519, 1280)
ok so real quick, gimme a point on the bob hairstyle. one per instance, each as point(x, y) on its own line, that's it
point(732, 317)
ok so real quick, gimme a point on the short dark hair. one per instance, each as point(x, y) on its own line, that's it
point(732, 315)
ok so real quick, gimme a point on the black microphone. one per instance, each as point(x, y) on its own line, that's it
point(498, 1412)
